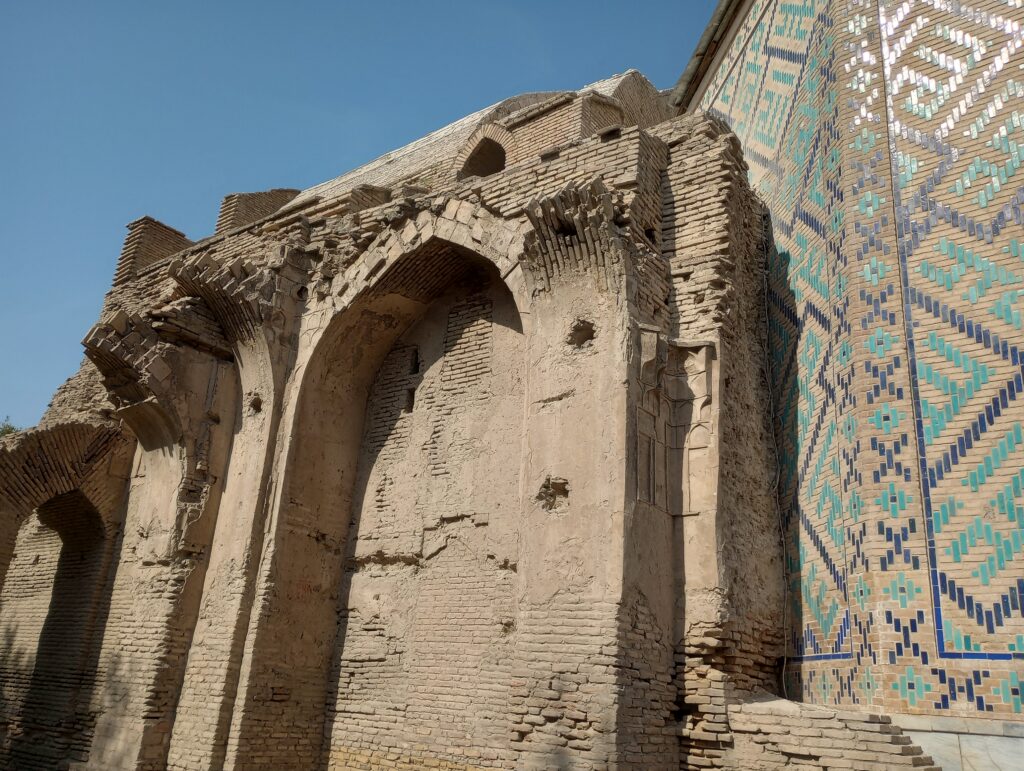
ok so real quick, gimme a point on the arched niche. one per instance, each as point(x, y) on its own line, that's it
point(53, 609)
point(488, 157)
point(414, 392)
point(486, 152)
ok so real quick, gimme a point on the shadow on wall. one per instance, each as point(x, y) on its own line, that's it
point(785, 327)
point(16, 667)
point(50, 694)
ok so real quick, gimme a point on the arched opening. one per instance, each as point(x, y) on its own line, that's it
point(488, 157)
point(52, 614)
point(405, 460)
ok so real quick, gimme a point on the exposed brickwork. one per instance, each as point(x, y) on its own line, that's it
point(51, 612)
point(780, 734)
point(240, 209)
point(147, 242)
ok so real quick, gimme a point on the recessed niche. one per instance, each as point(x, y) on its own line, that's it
point(487, 158)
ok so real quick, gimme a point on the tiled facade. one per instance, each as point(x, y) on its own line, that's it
point(885, 138)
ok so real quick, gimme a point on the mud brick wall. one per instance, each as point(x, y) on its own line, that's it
point(426, 629)
point(52, 616)
point(599, 113)
point(542, 129)
point(716, 244)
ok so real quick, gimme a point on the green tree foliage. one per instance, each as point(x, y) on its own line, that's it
point(6, 427)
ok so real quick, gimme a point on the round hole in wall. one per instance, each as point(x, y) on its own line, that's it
point(301, 294)
point(256, 404)
point(581, 333)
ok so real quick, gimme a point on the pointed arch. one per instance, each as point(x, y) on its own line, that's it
point(391, 287)
point(486, 152)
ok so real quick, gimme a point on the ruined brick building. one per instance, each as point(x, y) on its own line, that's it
point(602, 429)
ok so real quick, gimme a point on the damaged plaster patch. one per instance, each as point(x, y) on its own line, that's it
point(556, 397)
point(581, 333)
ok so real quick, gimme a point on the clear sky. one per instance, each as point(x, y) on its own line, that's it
point(111, 110)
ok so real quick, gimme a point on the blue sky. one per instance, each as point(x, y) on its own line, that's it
point(111, 110)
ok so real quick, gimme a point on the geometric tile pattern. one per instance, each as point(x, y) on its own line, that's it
point(886, 139)
point(955, 106)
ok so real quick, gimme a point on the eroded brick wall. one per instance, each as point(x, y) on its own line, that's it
point(53, 611)
point(424, 645)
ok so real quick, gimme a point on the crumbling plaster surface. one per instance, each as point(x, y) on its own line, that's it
point(437, 471)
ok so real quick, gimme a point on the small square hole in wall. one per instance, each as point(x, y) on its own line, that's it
point(554, 493)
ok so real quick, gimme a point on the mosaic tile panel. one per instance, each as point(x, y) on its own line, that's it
point(886, 139)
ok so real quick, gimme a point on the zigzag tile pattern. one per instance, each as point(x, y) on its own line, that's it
point(886, 138)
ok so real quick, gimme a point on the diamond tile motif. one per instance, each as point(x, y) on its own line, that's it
point(886, 138)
